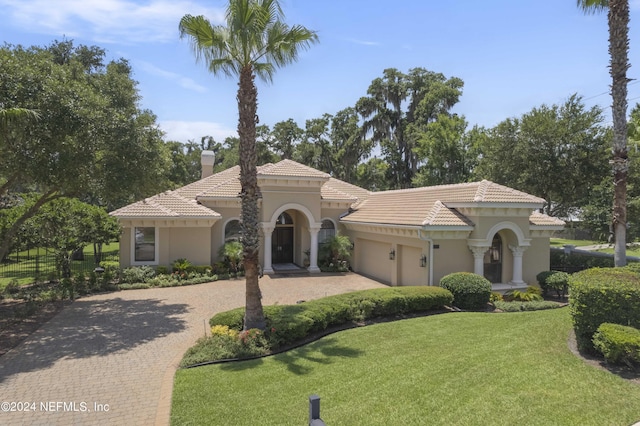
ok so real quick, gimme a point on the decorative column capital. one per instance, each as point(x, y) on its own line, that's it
point(267, 227)
point(517, 251)
point(478, 251)
point(314, 228)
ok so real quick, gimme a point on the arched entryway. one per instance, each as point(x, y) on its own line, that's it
point(493, 260)
point(291, 230)
point(499, 257)
point(282, 240)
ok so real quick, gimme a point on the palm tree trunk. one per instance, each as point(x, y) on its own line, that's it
point(247, 107)
point(618, 18)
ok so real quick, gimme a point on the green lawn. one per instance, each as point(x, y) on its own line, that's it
point(458, 368)
point(632, 250)
point(25, 269)
point(559, 242)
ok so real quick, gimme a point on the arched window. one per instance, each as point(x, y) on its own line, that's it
point(284, 219)
point(327, 231)
point(232, 231)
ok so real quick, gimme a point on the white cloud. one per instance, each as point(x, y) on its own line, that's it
point(122, 21)
point(363, 42)
point(183, 131)
point(184, 82)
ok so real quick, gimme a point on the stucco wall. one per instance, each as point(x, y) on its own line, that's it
point(190, 243)
point(409, 270)
point(125, 248)
point(535, 260)
point(450, 256)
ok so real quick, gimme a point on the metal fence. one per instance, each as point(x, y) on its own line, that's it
point(571, 259)
point(41, 265)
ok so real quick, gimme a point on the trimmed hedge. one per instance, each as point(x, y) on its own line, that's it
point(618, 343)
point(470, 291)
point(287, 324)
point(602, 295)
point(525, 306)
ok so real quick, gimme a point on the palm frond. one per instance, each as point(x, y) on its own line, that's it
point(593, 6)
point(254, 36)
point(10, 116)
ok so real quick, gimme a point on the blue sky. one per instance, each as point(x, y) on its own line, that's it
point(511, 55)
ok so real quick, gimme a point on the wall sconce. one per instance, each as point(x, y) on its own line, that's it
point(392, 254)
point(353, 245)
point(423, 261)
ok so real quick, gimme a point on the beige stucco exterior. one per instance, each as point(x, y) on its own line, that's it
point(407, 237)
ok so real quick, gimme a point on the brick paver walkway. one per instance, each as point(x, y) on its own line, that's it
point(110, 359)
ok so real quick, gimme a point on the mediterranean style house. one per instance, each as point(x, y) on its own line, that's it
point(400, 237)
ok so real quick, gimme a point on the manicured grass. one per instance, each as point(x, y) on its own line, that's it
point(632, 250)
point(559, 242)
point(457, 368)
point(25, 269)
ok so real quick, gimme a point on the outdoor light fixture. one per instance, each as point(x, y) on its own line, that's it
point(392, 254)
point(423, 261)
point(353, 245)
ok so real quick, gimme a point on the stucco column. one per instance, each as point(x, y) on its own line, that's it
point(313, 257)
point(478, 259)
point(517, 263)
point(267, 230)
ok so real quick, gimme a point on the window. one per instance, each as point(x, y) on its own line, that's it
point(145, 244)
point(232, 231)
point(284, 219)
point(327, 231)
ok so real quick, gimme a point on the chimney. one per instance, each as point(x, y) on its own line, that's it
point(207, 158)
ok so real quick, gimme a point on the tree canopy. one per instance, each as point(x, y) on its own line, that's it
point(91, 139)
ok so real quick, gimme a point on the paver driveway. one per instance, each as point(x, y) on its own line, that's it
point(110, 359)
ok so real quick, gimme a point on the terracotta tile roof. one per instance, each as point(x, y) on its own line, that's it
point(167, 204)
point(182, 202)
point(490, 192)
point(403, 207)
point(540, 219)
point(192, 190)
point(292, 169)
point(334, 187)
point(430, 205)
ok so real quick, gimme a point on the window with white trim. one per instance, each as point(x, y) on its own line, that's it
point(145, 244)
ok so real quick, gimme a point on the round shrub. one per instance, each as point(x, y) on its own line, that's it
point(470, 291)
point(618, 343)
point(559, 282)
point(602, 295)
point(542, 280)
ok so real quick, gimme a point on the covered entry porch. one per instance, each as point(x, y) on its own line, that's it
point(288, 236)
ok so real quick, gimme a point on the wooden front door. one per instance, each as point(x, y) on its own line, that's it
point(282, 245)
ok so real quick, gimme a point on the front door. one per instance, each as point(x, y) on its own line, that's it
point(493, 261)
point(282, 245)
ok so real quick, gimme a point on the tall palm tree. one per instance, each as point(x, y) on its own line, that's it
point(618, 19)
point(254, 42)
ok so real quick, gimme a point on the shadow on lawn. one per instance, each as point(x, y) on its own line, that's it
point(90, 328)
point(300, 360)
